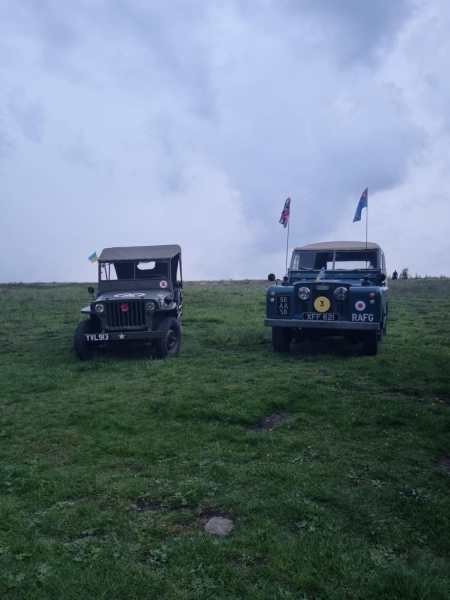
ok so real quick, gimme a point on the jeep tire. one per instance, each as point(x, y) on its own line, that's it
point(281, 339)
point(370, 343)
point(83, 349)
point(169, 344)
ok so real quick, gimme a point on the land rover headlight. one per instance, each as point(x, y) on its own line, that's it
point(304, 293)
point(150, 306)
point(99, 308)
point(340, 293)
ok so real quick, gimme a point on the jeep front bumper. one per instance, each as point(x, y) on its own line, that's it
point(337, 325)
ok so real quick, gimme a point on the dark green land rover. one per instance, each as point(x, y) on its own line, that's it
point(331, 289)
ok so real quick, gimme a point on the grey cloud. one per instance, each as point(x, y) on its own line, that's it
point(359, 31)
point(78, 152)
point(149, 45)
point(348, 32)
point(29, 116)
point(6, 146)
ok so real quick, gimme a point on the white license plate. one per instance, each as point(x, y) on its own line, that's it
point(320, 317)
point(97, 337)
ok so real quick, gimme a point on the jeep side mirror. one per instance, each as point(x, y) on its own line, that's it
point(91, 289)
point(271, 277)
point(381, 277)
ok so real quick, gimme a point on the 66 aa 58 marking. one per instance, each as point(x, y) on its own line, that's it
point(284, 305)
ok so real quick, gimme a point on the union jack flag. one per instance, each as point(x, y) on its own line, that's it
point(286, 213)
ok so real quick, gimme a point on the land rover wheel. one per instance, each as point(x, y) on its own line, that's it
point(281, 339)
point(370, 343)
point(83, 349)
point(169, 344)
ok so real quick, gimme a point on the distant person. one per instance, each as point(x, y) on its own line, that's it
point(395, 275)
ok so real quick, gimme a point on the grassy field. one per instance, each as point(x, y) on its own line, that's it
point(110, 469)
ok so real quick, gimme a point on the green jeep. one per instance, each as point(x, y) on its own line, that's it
point(140, 300)
point(331, 289)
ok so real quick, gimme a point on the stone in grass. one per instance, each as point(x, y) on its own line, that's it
point(219, 526)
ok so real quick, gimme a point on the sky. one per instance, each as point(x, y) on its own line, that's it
point(129, 122)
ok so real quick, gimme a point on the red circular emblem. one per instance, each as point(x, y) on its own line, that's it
point(163, 284)
point(124, 307)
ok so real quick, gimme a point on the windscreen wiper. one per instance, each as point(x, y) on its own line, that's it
point(304, 269)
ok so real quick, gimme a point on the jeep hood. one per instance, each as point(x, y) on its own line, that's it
point(156, 294)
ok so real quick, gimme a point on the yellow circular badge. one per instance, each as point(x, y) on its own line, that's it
point(322, 304)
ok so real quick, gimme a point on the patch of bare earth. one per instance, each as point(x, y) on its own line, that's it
point(444, 400)
point(145, 505)
point(443, 462)
point(324, 372)
point(8, 407)
point(269, 422)
point(54, 453)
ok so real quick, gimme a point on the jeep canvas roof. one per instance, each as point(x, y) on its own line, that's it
point(339, 246)
point(139, 253)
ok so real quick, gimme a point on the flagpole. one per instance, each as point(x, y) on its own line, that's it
point(287, 242)
point(367, 221)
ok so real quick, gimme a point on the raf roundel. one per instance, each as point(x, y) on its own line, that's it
point(163, 284)
point(360, 305)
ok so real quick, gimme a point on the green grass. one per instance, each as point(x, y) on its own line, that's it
point(110, 469)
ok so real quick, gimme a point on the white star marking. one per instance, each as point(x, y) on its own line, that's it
point(121, 336)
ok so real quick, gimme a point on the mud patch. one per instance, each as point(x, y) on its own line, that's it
point(8, 407)
point(444, 400)
point(145, 505)
point(443, 462)
point(324, 372)
point(207, 512)
point(269, 422)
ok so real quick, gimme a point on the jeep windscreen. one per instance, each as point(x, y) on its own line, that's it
point(134, 270)
point(347, 260)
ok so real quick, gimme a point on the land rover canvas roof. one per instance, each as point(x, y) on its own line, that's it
point(139, 253)
point(329, 246)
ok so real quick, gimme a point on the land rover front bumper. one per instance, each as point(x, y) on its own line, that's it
point(337, 325)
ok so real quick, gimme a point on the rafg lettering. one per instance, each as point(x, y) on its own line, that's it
point(361, 317)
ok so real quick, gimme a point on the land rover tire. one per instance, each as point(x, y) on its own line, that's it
point(168, 345)
point(281, 339)
point(83, 349)
point(370, 343)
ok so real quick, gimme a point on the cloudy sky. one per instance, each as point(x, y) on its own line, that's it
point(132, 122)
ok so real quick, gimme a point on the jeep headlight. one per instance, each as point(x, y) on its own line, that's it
point(304, 293)
point(150, 306)
point(99, 308)
point(340, 293)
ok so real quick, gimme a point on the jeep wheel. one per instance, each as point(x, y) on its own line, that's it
point(169, 344)
point(83, 349)
point(281, 339)
point(370, 343)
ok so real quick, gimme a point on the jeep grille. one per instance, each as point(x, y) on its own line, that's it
point(133, 318)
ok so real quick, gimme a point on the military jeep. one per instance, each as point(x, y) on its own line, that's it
point(139, 300)
point(331, 289)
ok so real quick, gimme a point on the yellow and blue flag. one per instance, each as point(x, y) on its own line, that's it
point(93, 257)
point(363, 202)
point(321, 274)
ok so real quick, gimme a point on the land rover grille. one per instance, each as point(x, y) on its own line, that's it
point(338, 307)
